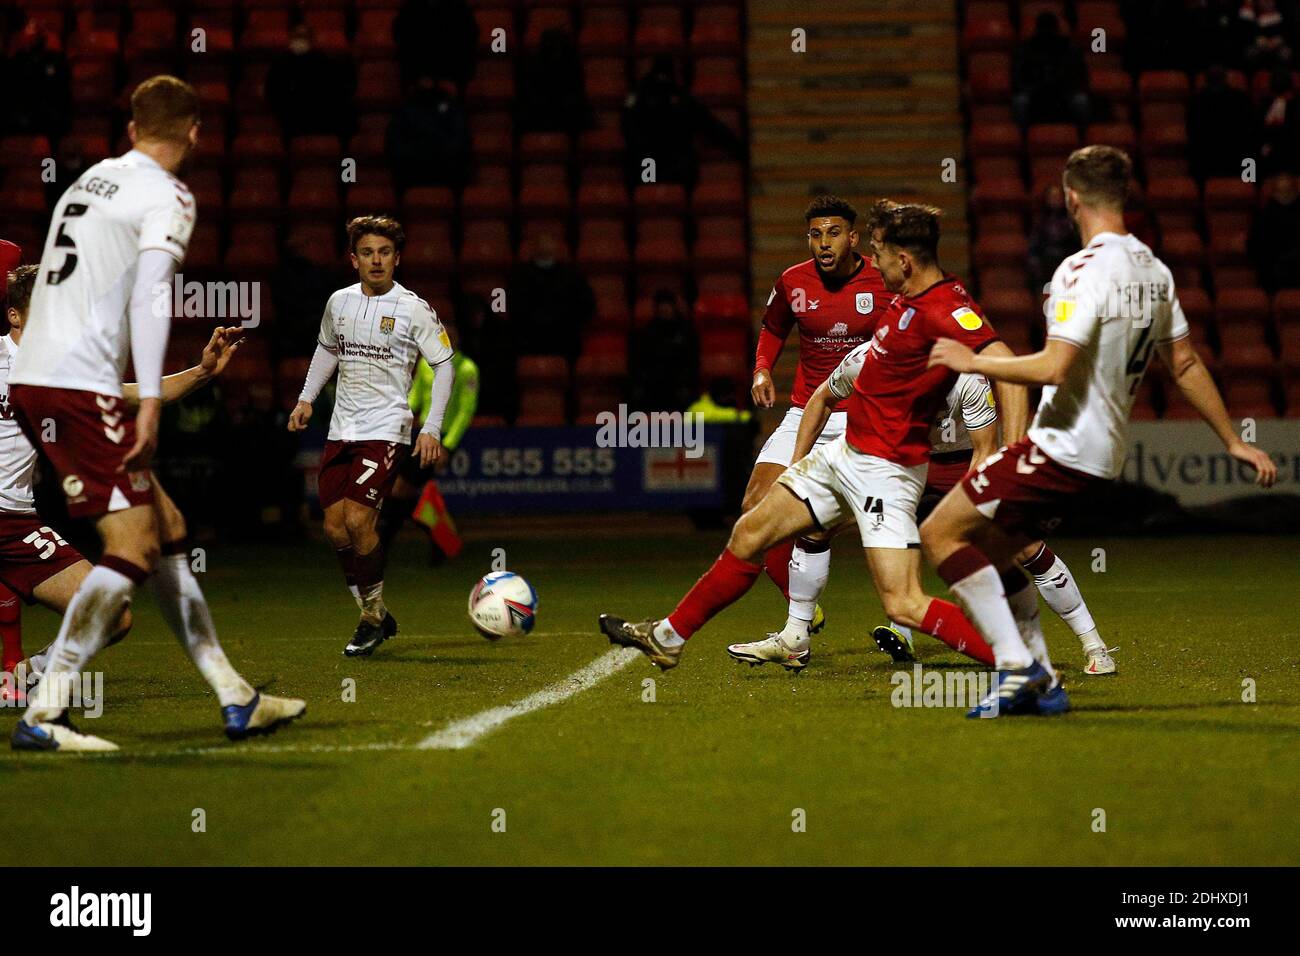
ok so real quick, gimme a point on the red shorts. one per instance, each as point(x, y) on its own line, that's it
point(1021, 490)
point(360, 471)
point(31, 552)
point(85, 436)
point(945, 473)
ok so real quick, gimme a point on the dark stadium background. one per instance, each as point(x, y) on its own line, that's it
point(502, 130)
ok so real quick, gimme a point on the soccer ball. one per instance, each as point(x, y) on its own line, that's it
point(503, 604)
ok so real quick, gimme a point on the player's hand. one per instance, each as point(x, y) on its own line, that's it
point(141, 454)
point(953, 354)
point(763, 390)
point(429, 450)
point(1265, 467)
point(299, 417)
point(217, 353)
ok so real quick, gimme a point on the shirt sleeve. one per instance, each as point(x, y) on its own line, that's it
point(778, 320)
point(150, 319)
point(1073, 312)
point(328, 338)
point(169, 222)
point(967, 324)
point(846, 373)
point(978, 407)
point(429, 335)
point(1175, 322)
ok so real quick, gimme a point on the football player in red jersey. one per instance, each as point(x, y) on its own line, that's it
point(833, 299)
point(872, 474)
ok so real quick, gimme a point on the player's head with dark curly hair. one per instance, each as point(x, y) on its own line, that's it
point(832, 235)
point(21, 281)
point(375, 248)
point(830, 207)
point(1097, 176)
point(904, 240)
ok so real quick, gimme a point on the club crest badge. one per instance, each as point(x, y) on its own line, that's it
point(866, 302)
point(386, 324)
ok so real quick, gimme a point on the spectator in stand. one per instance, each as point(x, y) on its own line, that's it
point(552, 97)
point(661, 121)
point(1264, 31)
point(1275, 237)
point(1280, 122)
point(490, 336)
point(1052, 237)
point(436, 39)
point(1049, 78)
point(428, 142)
point(1221, 127)
point(665, 359)
point(309, 91)
point(40, 85)
point(299, 287)
point(550, 302)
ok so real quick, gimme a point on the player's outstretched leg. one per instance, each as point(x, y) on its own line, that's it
point(244, 711)
point(791, 647)
point(1023, 601)
point(1059, 589)
point(778, 517)
point(352, 528)
point(948, 537)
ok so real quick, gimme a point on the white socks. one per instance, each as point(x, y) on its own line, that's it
point(88, 623)
point(809, 572)
point(1059, 590)
point(666, 635)
point(1024, 608)
point(182, 605)
point(986, 604)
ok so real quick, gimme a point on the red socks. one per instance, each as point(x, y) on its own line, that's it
point(945, 620)
point(777, 565)
point(11, 629)
point(720, 586)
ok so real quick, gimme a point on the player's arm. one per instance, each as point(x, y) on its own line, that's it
point(324, 363)
point(1012, 399)
point(815, 416)
point(1046, 367)
point(434, 345)
point(1194, 381)
point(983, 442)
point(778, 320)
point(149, 320)
point(216, 355)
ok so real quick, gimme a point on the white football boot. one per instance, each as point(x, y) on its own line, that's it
point(1099, 661)
point(60, 736)
point(773, 650)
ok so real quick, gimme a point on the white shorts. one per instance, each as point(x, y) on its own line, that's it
point(838, 482)
point(779, 447)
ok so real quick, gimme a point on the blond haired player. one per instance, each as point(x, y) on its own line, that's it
point(372, 334)
point(1111, 305)
point(117, 236)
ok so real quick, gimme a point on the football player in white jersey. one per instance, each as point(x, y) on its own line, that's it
point(1111, 306)
point(104, 292)
point(36, 564)
point(372, 334)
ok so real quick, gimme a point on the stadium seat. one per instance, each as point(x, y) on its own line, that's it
point(717, 83)
point(719, 189)
point(1112, 87)
point(1004, 194)
point(716, 32)
point(659, 30)
point(1242, 307)
point(658, 200)
point(605, 80)
point(374, 39)
point(1000, 249)
point(1164, 139)
point(1052, 139)
point(995, 139)
point(486, 246)
point(428, 248)
point(379, 85)
point(602, 246)
point(604, 33)
point(1182, 247)
point(253, 248)
point(428, 201)
point(490, 194)
point(1229, 194)
point(255, 193)
point(1119, 135)
point(1288, 337)
point(542, 407)
point(544, 190)
point(1286, 309)
point(545, 371)
point(660, 244)
point(1228, 250)
point(989, 80)
point(540, 20)
point(493, 86)
point(1165, 86)
point(612, 313)
point(1248, 396)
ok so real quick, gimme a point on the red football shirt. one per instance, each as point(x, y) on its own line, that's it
point(833, 320)
point(896, 398)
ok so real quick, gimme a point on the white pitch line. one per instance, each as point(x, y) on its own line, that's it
point(460, 734)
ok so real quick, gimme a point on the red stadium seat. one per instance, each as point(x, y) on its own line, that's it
point(1170, 86)
point(1249, 397)
point(486, 246)
point(544, 190)
point(253, 248)
point(1228, 250)
point(1286, 309)
point(1244, 350)
point(1114, 87)
point(1178, 193)
point(379, 85)
point(716, 32)
point(374, 196)
point(660, 243)
point(492, 17)
point(722, 243)
point(314, 192)
point(374, 39)
point(602, 143)
point(717, 82)
point(1182, 247)
point(602, 246)
point(1002, 195)
point(1052, 139)
point(490, 194)
point(1230, 194)
point(995, 140)
point(545, 147)
point(605, 80)
point(546, 371)
point(1164, 139)
point(720, 189)
point(420, 202)
point(1289, 351)
point(542, 19)
point(255, 193)
point(659, 199)
point(999, 249)
point(1233, 277)
point(493, 86)
point(611, 303)
point(604, 33)
point(1119, 135)
point(659, 30)
point(1242, 307)
point(602, 195)
point(989, 78)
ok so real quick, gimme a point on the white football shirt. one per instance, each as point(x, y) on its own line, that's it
point(378, 339)
point(17, 456)
point(969, 405)
point(77, 333)
point(1114, 300)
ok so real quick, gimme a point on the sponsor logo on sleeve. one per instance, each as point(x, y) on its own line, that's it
point(905, 320)
point(1064, 310)
point(967, 318)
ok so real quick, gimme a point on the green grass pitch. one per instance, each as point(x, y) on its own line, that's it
point(714, 770)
